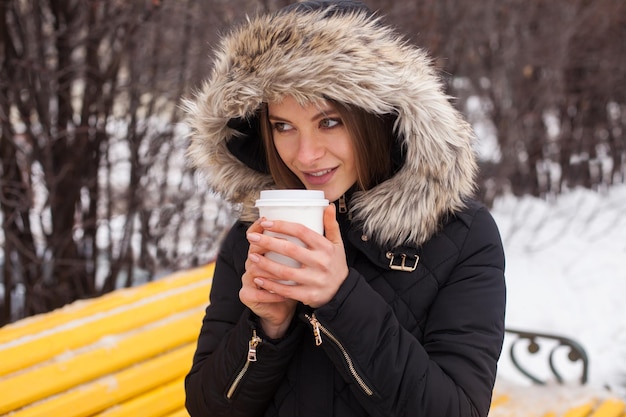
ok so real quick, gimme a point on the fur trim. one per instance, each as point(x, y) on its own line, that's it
point(352, 58)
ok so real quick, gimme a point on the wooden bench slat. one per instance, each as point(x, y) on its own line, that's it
point(610, 408)
point(499, 399)
point(179, 413)
point(106, 392)
point(104, 357)
point(27, 351)
point(156, 403)
point(583, 410)
point(85, 308)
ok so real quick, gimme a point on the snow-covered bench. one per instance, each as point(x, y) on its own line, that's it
point(123, 354)
point(126, 354)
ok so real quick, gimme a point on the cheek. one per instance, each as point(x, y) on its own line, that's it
point(282, 150)
point(346, 152)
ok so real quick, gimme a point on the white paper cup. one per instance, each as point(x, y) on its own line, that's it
point(299, 206)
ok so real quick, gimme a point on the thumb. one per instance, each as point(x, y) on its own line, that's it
point(331, 227)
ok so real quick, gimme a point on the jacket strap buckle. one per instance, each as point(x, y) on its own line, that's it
point(402, 266)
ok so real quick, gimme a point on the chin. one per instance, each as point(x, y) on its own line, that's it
point(333, 195)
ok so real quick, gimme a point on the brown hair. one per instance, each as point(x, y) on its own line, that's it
point(372, 137)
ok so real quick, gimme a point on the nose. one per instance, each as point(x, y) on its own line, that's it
point(310, 148)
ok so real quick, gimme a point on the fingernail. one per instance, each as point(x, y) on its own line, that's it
point(254, 237)
point(267, 224)
point(254, 257)
point(259, 282)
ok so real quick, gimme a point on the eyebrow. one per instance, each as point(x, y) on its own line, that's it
point(323, 113)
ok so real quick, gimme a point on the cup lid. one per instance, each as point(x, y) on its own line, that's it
point(297, 196)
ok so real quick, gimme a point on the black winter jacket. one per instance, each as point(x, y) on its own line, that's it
point(393, 343)
point(416, 329)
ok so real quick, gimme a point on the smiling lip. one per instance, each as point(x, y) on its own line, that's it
point(319, 177)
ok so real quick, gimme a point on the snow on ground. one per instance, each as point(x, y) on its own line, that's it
point(566, 274)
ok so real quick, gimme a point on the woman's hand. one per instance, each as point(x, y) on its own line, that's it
point(323, 261)
point(275, 311)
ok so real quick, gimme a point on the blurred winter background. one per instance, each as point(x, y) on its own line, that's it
point(566, 275)
point(96, 194)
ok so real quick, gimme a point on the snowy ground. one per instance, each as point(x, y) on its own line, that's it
point(566, 274)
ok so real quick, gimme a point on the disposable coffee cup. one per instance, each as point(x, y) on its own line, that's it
point(299, 206)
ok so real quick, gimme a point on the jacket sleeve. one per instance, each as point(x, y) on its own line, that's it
point(451, 371)
point(223, 346)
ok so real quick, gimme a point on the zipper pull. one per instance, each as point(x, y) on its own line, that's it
point(316, 330)
point(252, 344)
point(343, 207)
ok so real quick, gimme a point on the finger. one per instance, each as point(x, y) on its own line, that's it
point(286, 228)
point(256, 226)
point(254, 237)
point(250, 296)
point(331, 227)
point(283, 288)
point(265, 267)
point(278, 244)
point(254, 268)
point(308, 237)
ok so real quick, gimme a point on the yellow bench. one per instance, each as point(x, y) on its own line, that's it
point(126, 354)
point(554, 400)
point(123, 354)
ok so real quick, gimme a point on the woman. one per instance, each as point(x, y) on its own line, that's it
point(398, 310)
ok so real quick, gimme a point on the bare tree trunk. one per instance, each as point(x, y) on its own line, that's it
point(90, 87)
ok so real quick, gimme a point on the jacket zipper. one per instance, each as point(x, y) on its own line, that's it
point(343, 206)
point(318, 329)
point(252, 345)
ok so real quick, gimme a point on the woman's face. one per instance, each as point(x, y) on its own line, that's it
point(315, 145)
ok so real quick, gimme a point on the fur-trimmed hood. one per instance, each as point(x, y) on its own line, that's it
point(337, 50)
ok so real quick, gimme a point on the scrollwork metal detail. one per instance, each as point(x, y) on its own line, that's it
point(576, 353)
